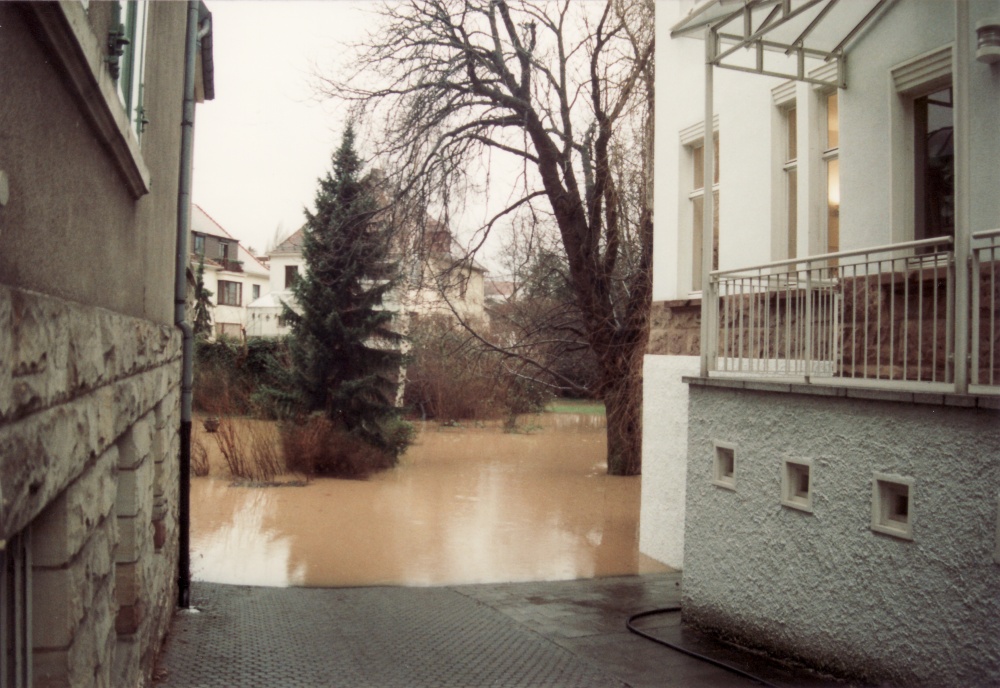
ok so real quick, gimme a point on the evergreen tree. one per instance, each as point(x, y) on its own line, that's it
point(345, 355)
point(202, 303)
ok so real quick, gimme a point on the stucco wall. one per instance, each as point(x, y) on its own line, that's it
point(89, 355)
point(71, 228)
point(664, 456)
point(823, 586)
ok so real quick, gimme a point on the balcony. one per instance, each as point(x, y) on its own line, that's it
point(880, 317)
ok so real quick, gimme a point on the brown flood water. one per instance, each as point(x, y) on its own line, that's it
point(471, 505)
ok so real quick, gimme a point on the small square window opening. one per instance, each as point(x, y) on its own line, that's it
point(724, 474)
point(796, 484)
point(892, 505)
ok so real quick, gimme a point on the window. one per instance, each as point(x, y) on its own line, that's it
point(199, 244)
point(796, 484)
point(15, 617)
point(127, 66)
point(223, 250)
point(791, 181)
point(230, 293)
point(831, 160)
point(291, 275)
point(892, 505)
point(724, 468)
point(934, 160)
point(255, 290)
point(697, 199)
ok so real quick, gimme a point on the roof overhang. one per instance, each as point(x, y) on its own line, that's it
point(804, 40)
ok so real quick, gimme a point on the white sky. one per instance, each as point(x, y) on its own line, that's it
point(263, 142)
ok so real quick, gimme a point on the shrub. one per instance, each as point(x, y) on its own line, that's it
point(241, 377)
point(199, 458)
point(251, 451)
point(316, 446)
point(451, 377)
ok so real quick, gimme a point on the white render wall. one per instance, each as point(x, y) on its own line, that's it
point(876, 205)
point(664, 457)
point(823, 586)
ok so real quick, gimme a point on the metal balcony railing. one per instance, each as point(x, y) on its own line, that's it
point(984, 323)
point(872, 316)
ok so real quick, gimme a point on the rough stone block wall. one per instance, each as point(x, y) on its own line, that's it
point(89, 418)
point(674, 328)
point(823, 586)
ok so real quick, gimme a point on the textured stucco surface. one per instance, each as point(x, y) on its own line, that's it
point(823, 586)
point(664, 456)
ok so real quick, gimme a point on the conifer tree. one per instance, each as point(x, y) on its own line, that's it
point(345, 355)
point(202, 303)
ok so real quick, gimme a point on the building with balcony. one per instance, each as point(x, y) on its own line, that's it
point(821, 425)
point(235, 276)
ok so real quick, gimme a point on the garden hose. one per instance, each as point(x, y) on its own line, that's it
point(672, 646)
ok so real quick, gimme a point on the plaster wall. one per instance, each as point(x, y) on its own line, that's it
point(101, 245)
point(823, 586)
point(876, 147)
point(664, 457)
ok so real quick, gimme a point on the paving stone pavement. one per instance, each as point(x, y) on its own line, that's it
point(555, 634)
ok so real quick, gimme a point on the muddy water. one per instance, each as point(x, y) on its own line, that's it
point(470, 505)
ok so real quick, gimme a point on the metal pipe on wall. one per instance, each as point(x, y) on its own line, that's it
point(180, 302)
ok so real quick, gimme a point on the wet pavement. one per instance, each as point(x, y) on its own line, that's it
point(556, 634)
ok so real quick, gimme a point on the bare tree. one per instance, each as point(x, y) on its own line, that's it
point(565, 89)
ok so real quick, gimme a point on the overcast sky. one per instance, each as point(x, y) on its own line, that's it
point(263, 142)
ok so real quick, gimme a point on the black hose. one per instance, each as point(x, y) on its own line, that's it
point(722, 665)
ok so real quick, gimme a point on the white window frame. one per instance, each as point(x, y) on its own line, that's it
point(690, 236)
point(912, 79)
point(130, 83)
point(830, 154)
point(15, 610)
point(785, 218)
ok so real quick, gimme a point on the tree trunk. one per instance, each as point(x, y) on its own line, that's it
point(623, 404)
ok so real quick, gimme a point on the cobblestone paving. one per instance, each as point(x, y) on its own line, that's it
point(555, 634)
point(379, 637)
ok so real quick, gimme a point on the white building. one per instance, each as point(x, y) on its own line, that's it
point(439, 282)
point(827, 473)
point(233, 275)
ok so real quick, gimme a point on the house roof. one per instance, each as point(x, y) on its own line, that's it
point(293, 244)
point(203, 223)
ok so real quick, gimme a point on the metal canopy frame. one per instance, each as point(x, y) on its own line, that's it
point(734, 28)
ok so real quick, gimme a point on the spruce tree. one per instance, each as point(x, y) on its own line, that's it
point(202, 303)
point(345, 355)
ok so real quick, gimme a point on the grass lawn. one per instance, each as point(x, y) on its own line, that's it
point(586, 406)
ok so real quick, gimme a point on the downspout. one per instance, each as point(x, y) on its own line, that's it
point(194, 35)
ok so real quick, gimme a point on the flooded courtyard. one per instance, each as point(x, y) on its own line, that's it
point(465, 505)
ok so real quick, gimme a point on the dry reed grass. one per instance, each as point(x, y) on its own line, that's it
point(199, 458)
point(251, 450)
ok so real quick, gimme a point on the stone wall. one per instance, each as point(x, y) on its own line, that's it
point(89, 418)
point(821, 584)
point(674, 328)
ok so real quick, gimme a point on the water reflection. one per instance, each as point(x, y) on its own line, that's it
point(465, 506)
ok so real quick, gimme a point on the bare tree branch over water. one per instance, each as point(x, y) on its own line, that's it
point(566, 90)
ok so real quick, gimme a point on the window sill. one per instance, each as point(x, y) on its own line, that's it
point(78, 54)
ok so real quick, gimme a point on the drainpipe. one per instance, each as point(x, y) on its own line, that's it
point(709, 321)
point(195, 33)
point(961, 61)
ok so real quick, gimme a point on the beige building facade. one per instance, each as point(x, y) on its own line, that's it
point(90, 358)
